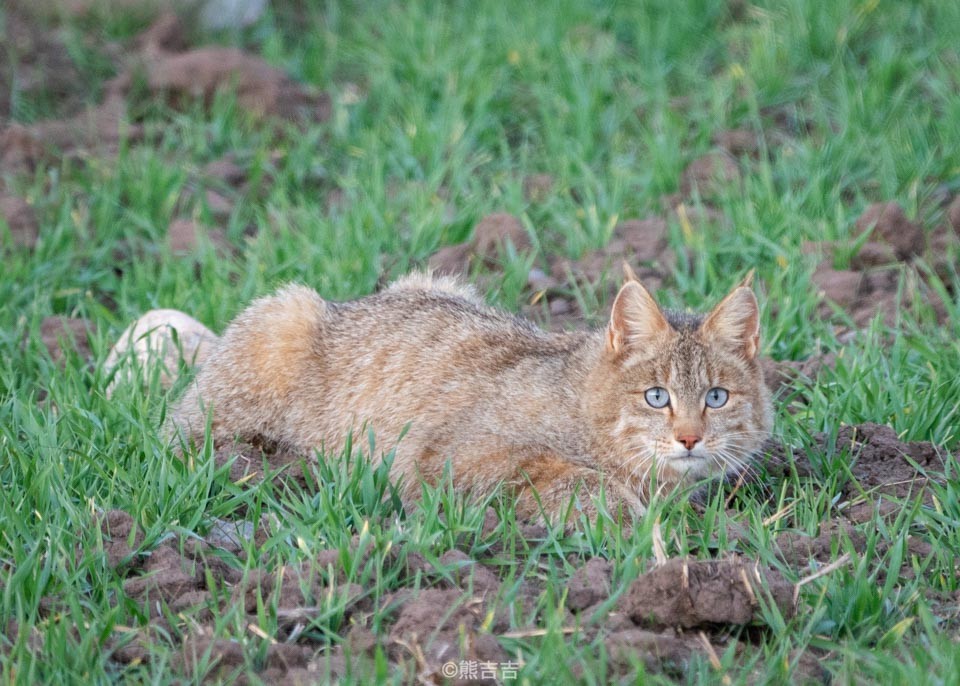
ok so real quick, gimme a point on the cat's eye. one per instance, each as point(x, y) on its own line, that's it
point(717, 397)
point(657, 397)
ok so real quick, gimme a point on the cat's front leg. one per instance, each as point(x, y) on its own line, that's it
point(559, 491)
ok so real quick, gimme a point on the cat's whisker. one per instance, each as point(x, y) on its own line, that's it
point(746, 470)
point(648, 465)
point(741, 464)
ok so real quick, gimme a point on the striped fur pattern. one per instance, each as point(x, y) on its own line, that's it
point(556, 414)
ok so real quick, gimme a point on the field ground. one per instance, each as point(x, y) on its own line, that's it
point(342, 144)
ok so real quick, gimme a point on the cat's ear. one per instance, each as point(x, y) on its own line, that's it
point(636, 318)
point(736, 320)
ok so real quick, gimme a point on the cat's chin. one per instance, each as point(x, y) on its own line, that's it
point(687, 465)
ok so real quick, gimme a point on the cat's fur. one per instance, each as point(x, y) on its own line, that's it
point(502, 400)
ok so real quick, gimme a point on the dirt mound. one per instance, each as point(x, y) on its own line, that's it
point(659, 651)
point(798, 549)
point(490, 236)
point(181, 76)
point(292, 664)
point(879, 461)
point(642, 243)
point(441, 626)
point(738, 142)
point(537, 188)
point(203, 72)
point(890, 225)
point(710, 175)
point(637, 241)
point(99, 129)
point(226, 170)
point(699, 593)
point(884, 464)
point(17, 214)
point(863, 294)
point(61, 335)
point(39, 64)
point(122, 538)
point(186, 236)
point(870, 284)
point(159, 59)
point(590, 584)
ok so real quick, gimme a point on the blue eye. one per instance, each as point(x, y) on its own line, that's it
point(657, 397)
point(717, 397)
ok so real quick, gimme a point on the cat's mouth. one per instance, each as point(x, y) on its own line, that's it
point(689, 462)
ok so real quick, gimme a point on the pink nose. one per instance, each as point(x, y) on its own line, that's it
point(689, 441)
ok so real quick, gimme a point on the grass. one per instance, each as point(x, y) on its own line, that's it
point(440, 111)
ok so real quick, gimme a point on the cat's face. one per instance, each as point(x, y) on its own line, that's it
point(685, 397)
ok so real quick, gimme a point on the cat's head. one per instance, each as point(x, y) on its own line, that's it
point(681, 396)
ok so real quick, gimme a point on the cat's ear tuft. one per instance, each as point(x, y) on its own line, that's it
point(747, 281)
point(635, 319)
point(736, 320)
point(628, 273)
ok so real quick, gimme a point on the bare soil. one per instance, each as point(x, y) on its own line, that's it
point(63, 336)
point(441, 613)
point(18, 216)
point(157, 59)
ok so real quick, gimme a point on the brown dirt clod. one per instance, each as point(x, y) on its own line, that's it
point(61, 334)
point(880, 462)
point(19, 149)
point(260, 88)
point(116, 526)
point(883, 461)
point(489, 237)
point(440, 626)
point(466, 571)
point(698, 593)
point(890, 225)
point(168, 576)
point(737, 142)
point(537, 188)
point(709, 175)
point(20, 218)
point(218, 204)
point(185, 236)
point(799, 549)
point(589, 584)
point(225, 170)
point(165, 34)
point(657, 650)
point(842, 286)
point(100, 128)
point(494, 230)
point(226, 654)
point(451, 259)
point(636, 241)
point(873, 254)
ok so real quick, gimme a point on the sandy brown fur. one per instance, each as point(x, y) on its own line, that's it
point(501, 400)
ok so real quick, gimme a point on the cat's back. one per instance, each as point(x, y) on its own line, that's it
point(421, 309)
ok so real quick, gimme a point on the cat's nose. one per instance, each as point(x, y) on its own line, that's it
point(689, 441)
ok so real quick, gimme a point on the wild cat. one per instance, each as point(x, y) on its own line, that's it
point(656, 399)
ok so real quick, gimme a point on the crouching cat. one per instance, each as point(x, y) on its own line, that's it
point(657, 399)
